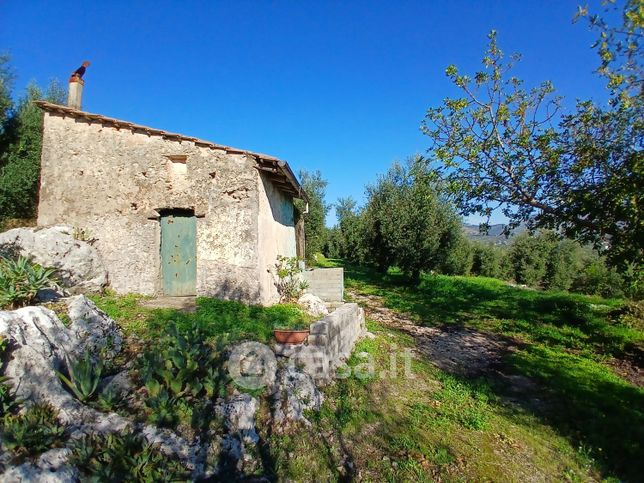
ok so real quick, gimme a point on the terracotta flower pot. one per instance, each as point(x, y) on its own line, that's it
point(291, 336)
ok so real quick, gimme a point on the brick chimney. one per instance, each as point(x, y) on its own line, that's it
point(75, 93)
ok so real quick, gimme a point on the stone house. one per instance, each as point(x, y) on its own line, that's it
point(170, 214)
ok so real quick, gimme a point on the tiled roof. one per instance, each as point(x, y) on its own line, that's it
point(278, 171)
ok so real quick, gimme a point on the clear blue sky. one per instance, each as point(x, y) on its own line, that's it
point(337, 86)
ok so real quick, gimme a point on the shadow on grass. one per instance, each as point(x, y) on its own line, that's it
point(563, 319)
point(565, 335)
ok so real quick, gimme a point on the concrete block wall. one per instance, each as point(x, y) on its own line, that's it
point(330, 342)
point(326, 283)
point(337, 333)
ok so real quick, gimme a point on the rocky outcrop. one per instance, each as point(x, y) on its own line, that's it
point(252, 365)
point(92, 328)
point(50, 467)
point(40, 345)
point(78, 264)
point(294, 393)
point(238, 447)
point(312, 304)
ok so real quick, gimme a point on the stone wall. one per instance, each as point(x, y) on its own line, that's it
point(115, 182)
point(326, 283)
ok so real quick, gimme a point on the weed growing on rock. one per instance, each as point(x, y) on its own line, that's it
point(32, 432)
point(20, 281)
point(181, 368)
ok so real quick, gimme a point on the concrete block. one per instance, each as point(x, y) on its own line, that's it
point(319, 340)
point(319, 327)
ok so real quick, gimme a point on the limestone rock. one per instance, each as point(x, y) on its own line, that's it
point(311, 359)
point(295, 392)
point(50, 467)
point(238, 447)
point(92, 327)
point(238, 412)
point(120, 384)
point(252, 365)
point(78, 264)
point(312, 304)
point(40, 344)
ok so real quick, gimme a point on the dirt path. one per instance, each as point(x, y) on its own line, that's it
point(454, 349)
point(457, 350)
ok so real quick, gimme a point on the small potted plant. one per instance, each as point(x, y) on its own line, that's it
point(291, 332)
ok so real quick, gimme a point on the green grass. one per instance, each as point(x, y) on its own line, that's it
point(232, 321)
point(566, 342)
point(435, 427)
point(438, 426)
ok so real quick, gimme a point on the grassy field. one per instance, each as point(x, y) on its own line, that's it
point(591, 422)
point(445, 427)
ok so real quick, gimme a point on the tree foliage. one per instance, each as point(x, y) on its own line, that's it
point(500, 145)
point(345, 239)
point(315, 220)
point(407, 222)
point(20, 145)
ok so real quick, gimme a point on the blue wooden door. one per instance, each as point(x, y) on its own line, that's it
point(179, 254)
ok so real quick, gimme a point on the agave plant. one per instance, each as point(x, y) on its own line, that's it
point(123, 457)
point(108, 400)
point(20, 281)
point(7, 401)
point(84, 376)
point(32, 432)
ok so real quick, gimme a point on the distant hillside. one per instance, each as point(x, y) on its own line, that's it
point(494, 234)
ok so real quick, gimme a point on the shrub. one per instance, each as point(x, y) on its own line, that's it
point(459, 255)
point(20, 281)
point(562, 263)
point(528, 257)
point(597, 279)
point(631, 315)
point(84, 376)
point(34, 431)
point(289, 282)
point(123, 457)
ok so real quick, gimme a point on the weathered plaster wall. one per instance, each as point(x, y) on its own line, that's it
point(113, 182)
point(276, 234)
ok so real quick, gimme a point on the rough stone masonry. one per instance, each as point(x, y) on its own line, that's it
point(115, 180)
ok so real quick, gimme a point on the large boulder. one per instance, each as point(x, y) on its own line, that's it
point(50, 467)
point(78, 264)
point(313, 305)
point(92, 328)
